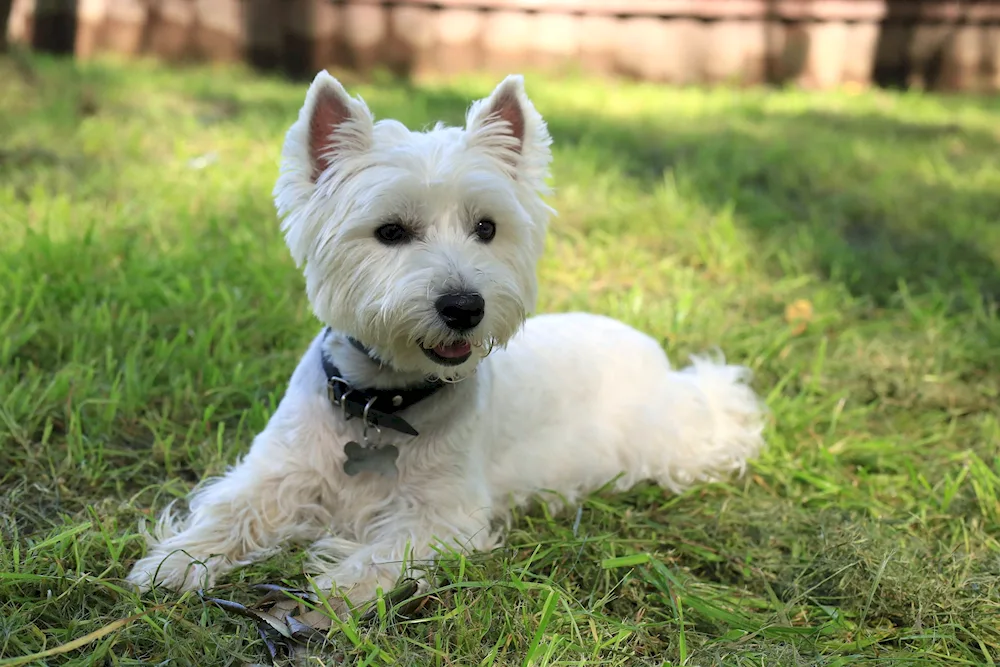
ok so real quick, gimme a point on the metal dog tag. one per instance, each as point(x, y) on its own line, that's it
point(370, 459)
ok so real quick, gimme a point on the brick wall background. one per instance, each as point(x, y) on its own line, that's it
point(937, 44)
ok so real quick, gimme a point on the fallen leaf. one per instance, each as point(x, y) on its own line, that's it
point(314, 619)
point(309, 630)
point(799, 314)
point(285, 609)
point(287, 626)
point(255, 614)
point(272, 646)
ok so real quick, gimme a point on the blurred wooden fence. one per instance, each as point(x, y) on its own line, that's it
point(940, 44)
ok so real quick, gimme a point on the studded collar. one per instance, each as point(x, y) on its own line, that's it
point(378, 406)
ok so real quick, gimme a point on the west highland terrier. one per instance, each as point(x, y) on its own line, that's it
point(400, 431)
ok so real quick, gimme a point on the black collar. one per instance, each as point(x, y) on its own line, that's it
point(382, 404)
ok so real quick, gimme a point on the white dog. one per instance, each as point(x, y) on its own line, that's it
point(399, 432)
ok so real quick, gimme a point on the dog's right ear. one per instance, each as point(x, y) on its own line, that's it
point(331, 125)
point(337, 123)
point(333, 131)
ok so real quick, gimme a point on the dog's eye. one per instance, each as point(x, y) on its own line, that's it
point(486, 229)
point(392, 233)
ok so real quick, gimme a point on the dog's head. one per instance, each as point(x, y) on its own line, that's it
point(421, 245)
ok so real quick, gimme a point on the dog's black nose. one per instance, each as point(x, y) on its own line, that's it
point(462, 311)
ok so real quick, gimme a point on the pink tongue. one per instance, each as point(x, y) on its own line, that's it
point(453, 351)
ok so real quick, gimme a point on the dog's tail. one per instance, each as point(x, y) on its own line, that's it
point(717, 422)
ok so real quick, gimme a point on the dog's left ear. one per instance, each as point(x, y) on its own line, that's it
point(507, 125)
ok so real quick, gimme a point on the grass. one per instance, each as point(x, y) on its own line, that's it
point(845, 246)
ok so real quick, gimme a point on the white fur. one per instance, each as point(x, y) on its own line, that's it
point(565, 404)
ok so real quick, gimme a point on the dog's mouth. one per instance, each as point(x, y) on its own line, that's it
point(450, 354)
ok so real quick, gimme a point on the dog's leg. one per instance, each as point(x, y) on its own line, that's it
point(406, 543)
point(256, 506)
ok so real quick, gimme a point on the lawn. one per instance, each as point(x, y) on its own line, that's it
point(845, 245)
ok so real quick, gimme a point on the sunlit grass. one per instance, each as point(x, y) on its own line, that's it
point(150, 317)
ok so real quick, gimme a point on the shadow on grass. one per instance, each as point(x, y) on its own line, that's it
point(868, 223)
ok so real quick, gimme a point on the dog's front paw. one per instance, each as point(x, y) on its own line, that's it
point(174, 570)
